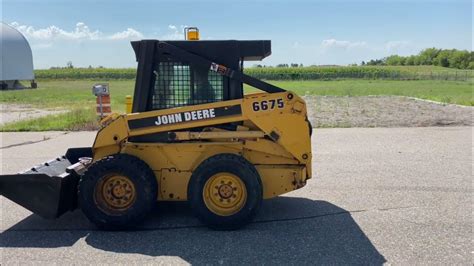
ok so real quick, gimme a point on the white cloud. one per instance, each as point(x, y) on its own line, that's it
point(80, 32)
point(50, 34)
point(333, 43)
point(174, 33)
point(129, 34)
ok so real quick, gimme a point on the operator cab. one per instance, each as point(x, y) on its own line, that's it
point(165, 81)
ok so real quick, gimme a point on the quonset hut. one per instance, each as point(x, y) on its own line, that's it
point(16, 59)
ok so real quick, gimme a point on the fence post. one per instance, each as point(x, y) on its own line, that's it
point(128, 104)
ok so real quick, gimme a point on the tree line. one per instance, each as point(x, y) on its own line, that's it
point(453, 58)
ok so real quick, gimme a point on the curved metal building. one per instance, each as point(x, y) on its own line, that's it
point(16, 59)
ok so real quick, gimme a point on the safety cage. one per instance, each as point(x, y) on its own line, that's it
point(172, 74)
point(179, 84)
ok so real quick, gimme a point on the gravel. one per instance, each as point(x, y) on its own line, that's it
point(384, 111)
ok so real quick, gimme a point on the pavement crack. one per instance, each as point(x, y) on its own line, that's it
point(396, 208)
point(186, 226)
point(45, 138)
point(203, 226)
point(308, 217)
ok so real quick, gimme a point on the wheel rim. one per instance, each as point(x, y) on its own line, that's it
point(115, 193)
point(224, 194)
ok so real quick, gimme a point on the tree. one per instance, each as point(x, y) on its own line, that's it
point(471, 65)
point(403, 60)
point(377, 62)
point(417, 61)
point(410, 60)
point(427, 56)
point(442, 59)
point(459, 59)
point(393, 60)
point(69, 64)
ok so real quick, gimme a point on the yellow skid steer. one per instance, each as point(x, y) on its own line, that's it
point(192, 136)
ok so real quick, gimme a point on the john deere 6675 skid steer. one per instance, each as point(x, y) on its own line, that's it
point(192, 136)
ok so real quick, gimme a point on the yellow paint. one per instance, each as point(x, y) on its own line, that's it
point(128, 104)
point(281, 179)
point(224, 194)
point(275, 140)
point(115, 193)
point(173, 184)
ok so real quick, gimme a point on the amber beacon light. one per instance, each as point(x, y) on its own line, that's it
point(191, 33)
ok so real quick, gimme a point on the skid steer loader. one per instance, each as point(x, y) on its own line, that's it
point(192, 136)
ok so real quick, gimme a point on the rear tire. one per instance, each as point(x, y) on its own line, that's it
point(225, 192)
point(118, 192)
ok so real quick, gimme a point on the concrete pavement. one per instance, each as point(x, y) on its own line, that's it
point(396, 195)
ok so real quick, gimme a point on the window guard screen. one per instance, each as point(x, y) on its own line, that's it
point(179, 84)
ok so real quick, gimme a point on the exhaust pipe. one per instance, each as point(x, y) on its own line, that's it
point(49, 189)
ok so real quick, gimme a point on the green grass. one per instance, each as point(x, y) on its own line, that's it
point(77, 119)
point(76, 96)
point(70, 94)
point(457, 92)
point(278, 73)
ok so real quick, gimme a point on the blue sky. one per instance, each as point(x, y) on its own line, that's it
point(309, 32)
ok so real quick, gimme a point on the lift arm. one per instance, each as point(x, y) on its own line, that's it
point(201, 62)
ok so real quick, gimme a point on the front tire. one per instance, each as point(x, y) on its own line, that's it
point(118, 192)
point(225, 192)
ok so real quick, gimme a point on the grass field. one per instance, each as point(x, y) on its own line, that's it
point(456, 92)
point(424, 69)
point(284, 73)
point(70, 94)
point(76, 96)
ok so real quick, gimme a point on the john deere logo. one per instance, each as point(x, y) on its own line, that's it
point(185, 117)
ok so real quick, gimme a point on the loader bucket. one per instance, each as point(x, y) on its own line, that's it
point(49, 189)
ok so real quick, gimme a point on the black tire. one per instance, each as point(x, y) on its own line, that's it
point(104, 215)
point(239, 167)
point(310, 126)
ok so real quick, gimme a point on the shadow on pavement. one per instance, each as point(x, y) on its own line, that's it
point(288, 231)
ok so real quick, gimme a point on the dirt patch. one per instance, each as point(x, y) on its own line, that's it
point(15, 112)
point(384, 111)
